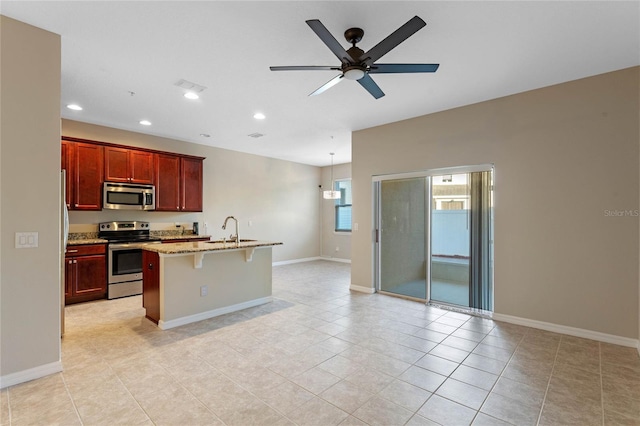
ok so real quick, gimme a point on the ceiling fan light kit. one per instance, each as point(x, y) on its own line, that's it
point(357, 64)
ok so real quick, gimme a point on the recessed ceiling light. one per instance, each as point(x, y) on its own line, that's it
point(259, 116)
point(74, 107)
point(204, 135)
point(191, 95)
point(145, 122)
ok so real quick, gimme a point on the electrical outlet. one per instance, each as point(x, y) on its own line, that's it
point(204, 290)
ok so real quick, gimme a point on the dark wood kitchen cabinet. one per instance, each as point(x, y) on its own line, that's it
point(177, 177)
point(66, 162)
point(128, 165)
point(178, 183)
point(85, 273)
point(84, 165)
point(151, 285)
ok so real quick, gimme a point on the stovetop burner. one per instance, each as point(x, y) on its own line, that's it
point(125, 232)
point(130, 238)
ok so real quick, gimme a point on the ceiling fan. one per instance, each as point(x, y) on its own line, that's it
point(357, 64)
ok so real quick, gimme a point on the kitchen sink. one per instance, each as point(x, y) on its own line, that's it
point(230, 242)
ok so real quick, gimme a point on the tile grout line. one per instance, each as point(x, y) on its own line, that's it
point(128, 391)
point(601, 384)
point(73, 402)
point(500, 375)
point(9, 404)
point(544, 399)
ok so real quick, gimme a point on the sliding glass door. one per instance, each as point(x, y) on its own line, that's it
point(402, 235)
point(450, 239)
point(434, 236)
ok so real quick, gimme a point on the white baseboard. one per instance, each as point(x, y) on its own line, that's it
point(165, 325)
point(571, 331)
point(335, 259)
point(311, 259)
point(361, 289)
point(30, 374)
point(289, 262)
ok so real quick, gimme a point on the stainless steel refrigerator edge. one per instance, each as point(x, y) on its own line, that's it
point(64, 235)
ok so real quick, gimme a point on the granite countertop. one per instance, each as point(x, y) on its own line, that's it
point(181, 237)
point(85, 241)
point(206, 246)
point(80, 238)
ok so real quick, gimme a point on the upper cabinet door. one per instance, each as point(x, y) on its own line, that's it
point(66, 157)
point(128, 165)
point(116, 165)
point(167, 182)
point(141, 163)
point(88, 161)
point(191, 183)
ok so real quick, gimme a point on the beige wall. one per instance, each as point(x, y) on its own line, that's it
point(332, 240)
point(29, 199)
point(564, 156)
point(279, 198)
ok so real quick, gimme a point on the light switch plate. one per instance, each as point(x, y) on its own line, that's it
point(26, 239)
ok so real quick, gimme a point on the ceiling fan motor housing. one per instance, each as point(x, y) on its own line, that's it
point(355, 53)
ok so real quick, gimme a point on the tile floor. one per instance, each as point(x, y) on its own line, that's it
point(322, 355)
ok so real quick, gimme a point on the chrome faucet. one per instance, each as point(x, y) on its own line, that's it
point(224, 226)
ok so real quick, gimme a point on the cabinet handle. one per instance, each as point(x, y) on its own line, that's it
point(72, 251)
point(75, 261)
point(70, 262)
point(150, 266)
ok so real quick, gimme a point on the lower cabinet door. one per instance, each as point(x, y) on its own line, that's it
point(91, 276)
point(69, 278)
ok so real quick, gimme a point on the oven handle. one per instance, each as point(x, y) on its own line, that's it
point(131, 245)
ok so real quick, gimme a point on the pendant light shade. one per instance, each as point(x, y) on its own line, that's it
point(331, 195)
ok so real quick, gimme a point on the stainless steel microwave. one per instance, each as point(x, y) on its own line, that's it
point(127, 196)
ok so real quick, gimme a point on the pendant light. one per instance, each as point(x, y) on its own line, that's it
point(331, 195)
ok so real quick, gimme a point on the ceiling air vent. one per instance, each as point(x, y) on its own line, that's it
point(188, 85)
point(255, 135)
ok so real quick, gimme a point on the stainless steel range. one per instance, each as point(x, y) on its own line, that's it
point(125, 255)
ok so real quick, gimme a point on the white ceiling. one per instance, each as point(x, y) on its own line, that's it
point(485, 50)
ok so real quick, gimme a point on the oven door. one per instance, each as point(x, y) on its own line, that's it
point(125, 262)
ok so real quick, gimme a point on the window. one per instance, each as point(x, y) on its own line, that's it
point(343, 205)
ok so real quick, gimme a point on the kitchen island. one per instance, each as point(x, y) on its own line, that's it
point(193, 281)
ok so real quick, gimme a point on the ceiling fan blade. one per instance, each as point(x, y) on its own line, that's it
point(335, 80)
point(371, 86)
point(393, 40)
point(328, 39)
point(305, 68)
point(402, 68)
